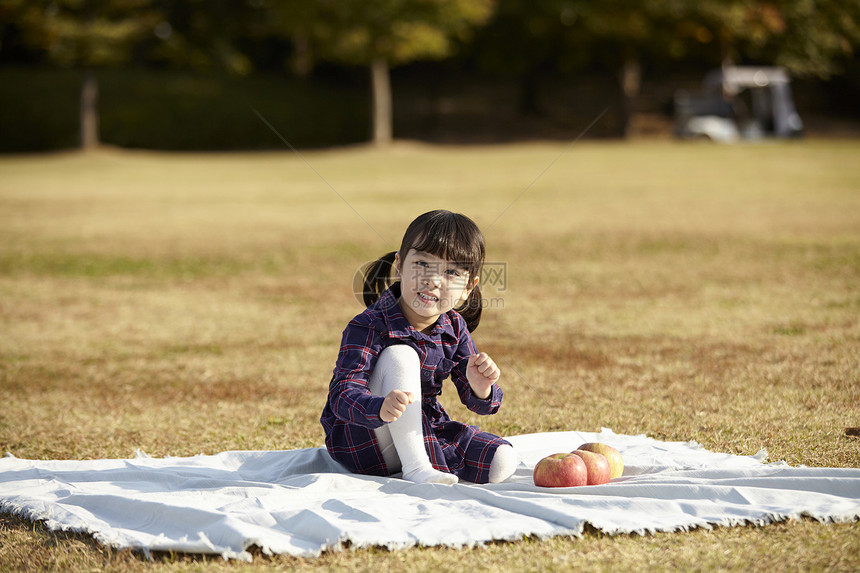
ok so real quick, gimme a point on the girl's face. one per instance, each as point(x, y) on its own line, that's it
point(430, 287)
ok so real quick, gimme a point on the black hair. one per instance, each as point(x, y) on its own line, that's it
point(450, 236)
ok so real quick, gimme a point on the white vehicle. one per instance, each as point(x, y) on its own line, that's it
point(739, 102)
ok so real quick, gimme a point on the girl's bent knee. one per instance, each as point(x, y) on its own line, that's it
point(398, 367)
point(401, 355)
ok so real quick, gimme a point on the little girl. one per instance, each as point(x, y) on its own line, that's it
point(382, 415)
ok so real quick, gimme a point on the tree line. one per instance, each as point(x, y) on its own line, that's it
point(525, 38)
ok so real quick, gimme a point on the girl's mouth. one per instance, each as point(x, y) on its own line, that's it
point(424, 297)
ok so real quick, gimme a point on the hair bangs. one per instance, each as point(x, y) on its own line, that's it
point(449, 236)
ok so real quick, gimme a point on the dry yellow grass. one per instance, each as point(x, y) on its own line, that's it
point(193, 303)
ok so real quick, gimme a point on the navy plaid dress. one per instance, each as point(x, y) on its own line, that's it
point(351, 413)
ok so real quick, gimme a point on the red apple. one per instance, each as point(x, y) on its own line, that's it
point(560, 470)
point(596, 466)
point(613, 456)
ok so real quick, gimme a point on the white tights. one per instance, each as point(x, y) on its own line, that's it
point(402, 441)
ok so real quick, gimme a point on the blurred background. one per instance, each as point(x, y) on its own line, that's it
point(198, 75)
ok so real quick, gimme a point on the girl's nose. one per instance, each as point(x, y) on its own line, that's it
point(433, 278)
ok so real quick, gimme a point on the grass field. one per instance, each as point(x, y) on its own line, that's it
point(193, 303)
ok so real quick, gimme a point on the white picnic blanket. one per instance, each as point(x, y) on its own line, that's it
point(300, 502)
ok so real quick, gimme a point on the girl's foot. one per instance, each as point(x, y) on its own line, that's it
point(429, 475)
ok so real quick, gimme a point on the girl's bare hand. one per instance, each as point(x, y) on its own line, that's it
point(482, 372)
point(394, 405)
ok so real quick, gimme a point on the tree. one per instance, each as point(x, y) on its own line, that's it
point(205, 34)
point(84, 34)
point(301, 23)
point(534, 39)
point(810, 37)
point(380, 34)
point(630, 29)
point(526, 40)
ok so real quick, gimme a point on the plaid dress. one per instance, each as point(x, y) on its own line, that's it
point(351, 412)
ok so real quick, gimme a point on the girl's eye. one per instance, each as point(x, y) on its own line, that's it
point(453, 273)
point(422, 264)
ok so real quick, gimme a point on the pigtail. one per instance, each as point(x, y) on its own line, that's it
point(377, 278)
point(472, 309)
